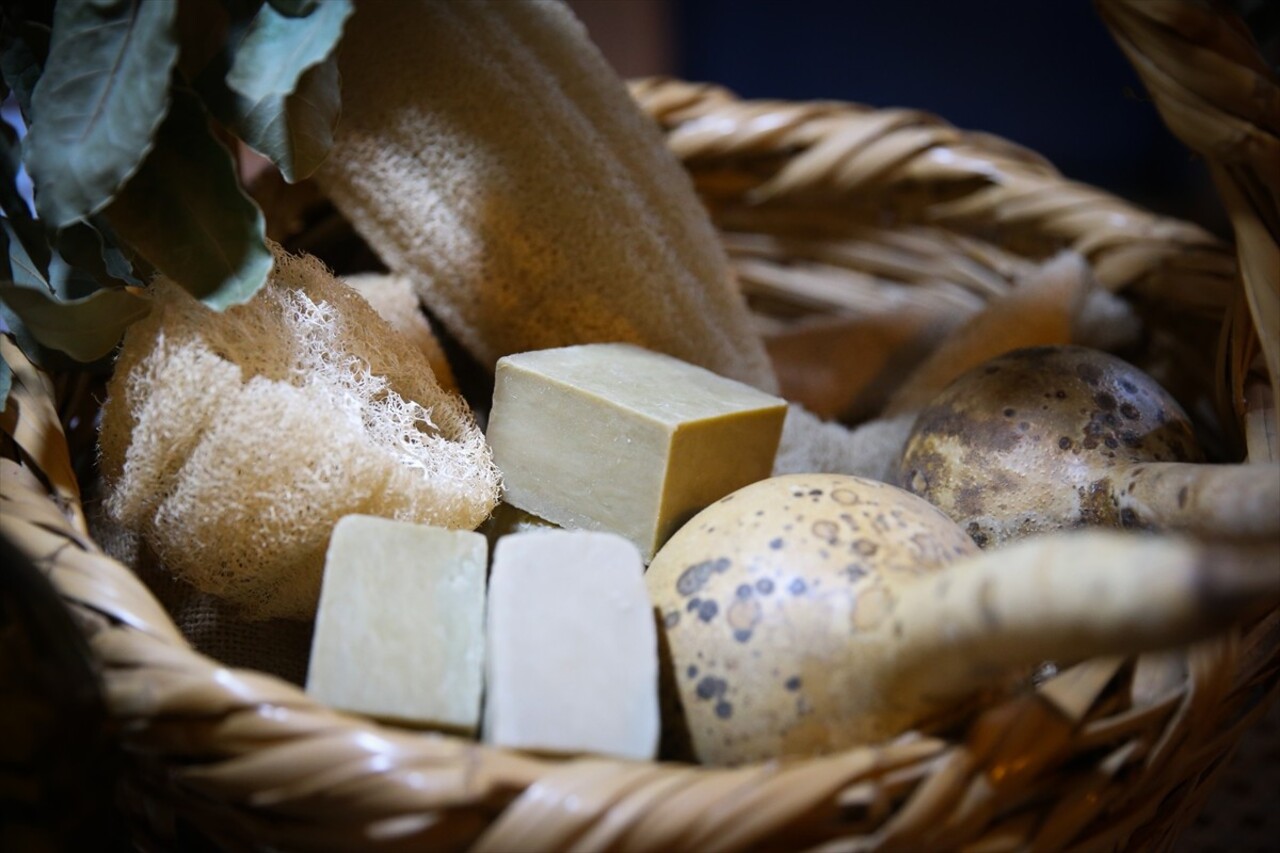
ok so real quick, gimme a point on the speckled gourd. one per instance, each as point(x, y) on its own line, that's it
point(1051, 438)
point(813, 612)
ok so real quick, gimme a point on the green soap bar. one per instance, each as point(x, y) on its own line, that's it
point(400, 629)
point(616, 438)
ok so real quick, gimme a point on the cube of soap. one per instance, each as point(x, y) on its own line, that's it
point(573, 663)
point(399, 633)
point(617, 438)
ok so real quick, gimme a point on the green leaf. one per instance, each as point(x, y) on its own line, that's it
point(294, 8)
point(294, 131)
point(98, 103)
point(93, 247)
point(22, 54)
point(185, 213)
point(84, 256)
point(22, 268)
point(281, 92)
point(18, 331)
point(28, 246)
point(70, 282)
point(49, 359)
point(278, 49)
point(6, 382)
point(85, 329)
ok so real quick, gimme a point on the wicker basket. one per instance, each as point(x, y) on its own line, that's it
point(841, 220)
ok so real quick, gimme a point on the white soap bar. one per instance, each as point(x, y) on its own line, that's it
point(399, 633)
point(573, 663)
point(617, 438)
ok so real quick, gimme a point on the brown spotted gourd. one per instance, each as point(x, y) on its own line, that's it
point(812, 612)
point(1052, 438)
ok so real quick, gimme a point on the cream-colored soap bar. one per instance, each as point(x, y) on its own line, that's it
point(399, 633)
point(572, 663)
point(614, 437)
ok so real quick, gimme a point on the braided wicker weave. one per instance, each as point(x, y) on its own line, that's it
point(833, 214)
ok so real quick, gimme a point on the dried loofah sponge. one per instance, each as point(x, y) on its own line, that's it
point(234, 442)
point(510, 175)
point(393, 297)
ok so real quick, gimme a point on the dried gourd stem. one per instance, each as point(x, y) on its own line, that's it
point(1068, 597)
point(1214, 501)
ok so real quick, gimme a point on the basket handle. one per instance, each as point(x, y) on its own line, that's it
point(1217, 94)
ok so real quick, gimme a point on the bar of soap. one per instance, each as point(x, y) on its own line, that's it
point(399, 633)
point(572, 663)
point(617, 438)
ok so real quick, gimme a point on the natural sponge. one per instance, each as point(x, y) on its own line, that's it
point(508, 173)
point(393, 297)
point(233, 442)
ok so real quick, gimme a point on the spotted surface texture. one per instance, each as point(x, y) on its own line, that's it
point(770, 598)
point(1043, 439)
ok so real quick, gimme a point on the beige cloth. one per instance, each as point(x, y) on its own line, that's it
point(279, 647)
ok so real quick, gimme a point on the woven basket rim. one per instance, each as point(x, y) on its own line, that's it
point(248, 756)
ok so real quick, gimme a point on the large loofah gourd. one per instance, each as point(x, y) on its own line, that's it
point(233, 442)
point(509, 174)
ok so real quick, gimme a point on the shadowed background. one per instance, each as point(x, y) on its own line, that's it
point(1044, 74)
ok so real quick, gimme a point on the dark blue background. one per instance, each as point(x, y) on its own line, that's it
point(1043, 73)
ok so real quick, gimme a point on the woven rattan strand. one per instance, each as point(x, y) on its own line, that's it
point(829, 210)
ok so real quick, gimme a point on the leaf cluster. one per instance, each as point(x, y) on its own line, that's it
point(120, 117)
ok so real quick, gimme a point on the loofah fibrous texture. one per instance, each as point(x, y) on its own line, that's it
point(511, 177)
point(233, 442)
point(395, 300)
